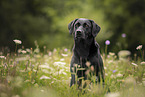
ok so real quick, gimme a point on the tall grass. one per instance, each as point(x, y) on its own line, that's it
point(31, 73)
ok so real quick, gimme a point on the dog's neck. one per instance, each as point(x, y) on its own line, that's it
point(85, 48)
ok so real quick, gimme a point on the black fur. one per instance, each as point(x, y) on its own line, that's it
point(85, 48)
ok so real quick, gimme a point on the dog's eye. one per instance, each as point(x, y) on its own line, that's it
point(85, 25)
point(77, 25)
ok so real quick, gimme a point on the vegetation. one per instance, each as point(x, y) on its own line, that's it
point(31, 70)
point(46, 21)
point(31, 73)
point(124, 17)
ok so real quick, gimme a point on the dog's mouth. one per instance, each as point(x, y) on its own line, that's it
point(79, 38)
point(79, 35)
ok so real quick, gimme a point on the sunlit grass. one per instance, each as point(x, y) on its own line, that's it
point(31, 73)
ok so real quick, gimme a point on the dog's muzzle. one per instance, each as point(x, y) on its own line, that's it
point(79, 34)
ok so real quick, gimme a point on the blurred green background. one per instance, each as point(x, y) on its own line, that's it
point(121, 21)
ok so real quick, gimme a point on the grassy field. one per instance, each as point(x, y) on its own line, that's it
point(31, 73)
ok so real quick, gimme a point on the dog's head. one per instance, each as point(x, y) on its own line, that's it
point(83, 28)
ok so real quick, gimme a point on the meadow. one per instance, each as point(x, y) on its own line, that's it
point(29, 72)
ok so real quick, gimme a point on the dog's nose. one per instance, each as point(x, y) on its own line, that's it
point(79, 33)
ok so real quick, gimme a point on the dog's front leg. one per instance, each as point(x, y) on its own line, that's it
point(72, 82)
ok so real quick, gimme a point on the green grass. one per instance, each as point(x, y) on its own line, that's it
point(31, 73)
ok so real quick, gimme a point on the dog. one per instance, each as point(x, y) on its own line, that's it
point(85, 49)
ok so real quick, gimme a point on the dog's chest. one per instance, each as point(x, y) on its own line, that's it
point(82, 49)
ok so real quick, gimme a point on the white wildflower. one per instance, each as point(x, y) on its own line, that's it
point(119, 75)
point(23, 52)
point(21, 59)
point(124, 53)
point(87, 72)
point(16, 96)
point(37, 50)
point(45, 71)
point(65, 49)
point(106, 74)
point(105, 67)
point(142, 63)
point(52, 82)
point(64, 73)
point(2, 57)
point(64, 55)
point(113, 94)
point(17, 41)
point(44, 66)
point(111, 53)
point(27, 81)
point(61, 71)
point(92, 68)
point(110, 61)
point(112, 76)
point(134, 64)
point(88, 64)
point(62, 59)
point(139, 47)
point(56, 73)
point(44, 77)
point(28, 50)
point(59, 63)
point(50, 53)
point(34, 70)
point(42, 90)
point(54, 50)
point(19, 50)
point(54, 79)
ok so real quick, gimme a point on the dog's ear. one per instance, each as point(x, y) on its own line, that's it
point(71, 26)
point(95, 28)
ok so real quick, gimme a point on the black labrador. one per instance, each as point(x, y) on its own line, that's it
point(85, 49)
